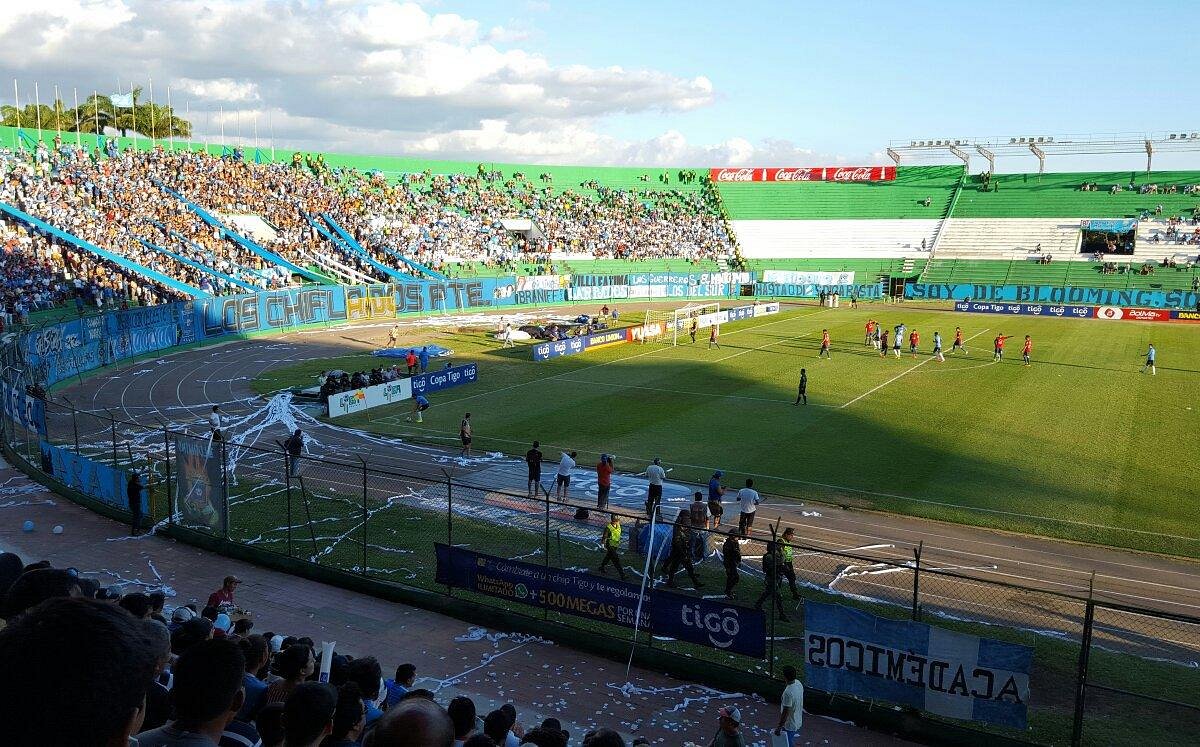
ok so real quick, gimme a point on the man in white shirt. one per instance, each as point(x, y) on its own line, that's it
point(214, 422)
point(748, 500)
point(655, 474)
point(562, 481)
point(791, 707)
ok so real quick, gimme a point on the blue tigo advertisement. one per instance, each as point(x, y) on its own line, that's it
point(435, 381)
point(1026, 309)
point(910, 663)
point(704, 622)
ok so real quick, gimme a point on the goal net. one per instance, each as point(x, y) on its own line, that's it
point(670, 327)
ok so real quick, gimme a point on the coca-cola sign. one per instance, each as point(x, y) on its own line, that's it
point(805, 174)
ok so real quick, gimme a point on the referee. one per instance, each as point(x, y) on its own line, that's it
point(802, 392)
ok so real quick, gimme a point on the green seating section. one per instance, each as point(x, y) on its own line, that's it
point(1058, 274)
point(1060, 196)
point(902, 198)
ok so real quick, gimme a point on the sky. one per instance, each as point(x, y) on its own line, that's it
point(663, 83)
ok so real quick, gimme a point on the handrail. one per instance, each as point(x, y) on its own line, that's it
point(197, 266)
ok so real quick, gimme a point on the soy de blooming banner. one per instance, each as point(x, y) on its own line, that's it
point(940, 671)
point(805, 174)
point(705, 622)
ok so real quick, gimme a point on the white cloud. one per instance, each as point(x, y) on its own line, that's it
point(366, 75)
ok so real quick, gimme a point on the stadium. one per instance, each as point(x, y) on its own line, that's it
point(917, 433)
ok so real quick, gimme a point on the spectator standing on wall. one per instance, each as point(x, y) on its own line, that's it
point(655, 475)
point(604, 471)
point(562, 480)
point(748, 500)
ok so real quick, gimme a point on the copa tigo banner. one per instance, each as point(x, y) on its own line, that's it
point(445, 378)
point(705, 622)
point(805, 174)
point(941, 671)
point(1046, 294)
point(575, 345)
point(1026, 309)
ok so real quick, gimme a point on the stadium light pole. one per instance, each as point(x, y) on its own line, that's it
point(989, 155)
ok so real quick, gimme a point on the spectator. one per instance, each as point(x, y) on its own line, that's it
point(415, 722)
point(367, 674)
point(224, 596)
point(293, 665)
point(207, 694)
point(349, 718)
point(10, 568)
point(158, 697)
point(269, 724)
point(308, 714)
point(133, 492)
point(603, 738)
point(462, 713)
point(406, 675)
point(254, 651)
point(729, 722)
point(496, 725)
point(136, 604)
point(791, 707)
point(33, 587)
point(748, 500)
point(95, 652)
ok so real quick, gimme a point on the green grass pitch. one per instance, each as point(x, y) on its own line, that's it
point(1078, 445)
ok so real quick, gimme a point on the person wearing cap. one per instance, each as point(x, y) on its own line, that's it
point(729, 722)
point(715, 491)
point(655, 475)
point(224, 595)
point(791, 707)
point(604, 472)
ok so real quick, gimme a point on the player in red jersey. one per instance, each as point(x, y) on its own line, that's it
point(869, 339)
point(958, 341)
point(998, 352)
point(914, 342)
point(825, 345)
point(1027, 349)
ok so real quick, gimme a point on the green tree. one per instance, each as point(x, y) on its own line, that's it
point(99, 112)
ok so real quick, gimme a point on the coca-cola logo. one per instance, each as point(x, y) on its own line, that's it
point(735, 175)
point(794, 175)
point(862, 174)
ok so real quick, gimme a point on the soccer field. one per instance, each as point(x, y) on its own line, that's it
point(1078, 445)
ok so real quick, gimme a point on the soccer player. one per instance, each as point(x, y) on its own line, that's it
point(998, 351)
point(533, 458)
point(914, 341)
point(394, 335)
point(825, 345)
point(692, 331)
point(464, 434)
point(713, 332)
point(881, 339)
point(508, 341)
point(958, 341)
point(802, 393)
point(937, 348)
point(610, 541)
point(1027, 349)
point(420, 405)
point(1150, 355)
point(899, 339)
point(870, 336)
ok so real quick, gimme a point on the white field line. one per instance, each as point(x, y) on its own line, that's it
point(906, 372)
point(688, 392)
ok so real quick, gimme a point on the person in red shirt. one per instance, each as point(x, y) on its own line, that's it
point(869, 339)
point(958, 341)
point(224, 595)
point(825, 345)
point(914, 341)
point(411, 361)
point(998, 352)
point(604, 472)
point(1027, 349)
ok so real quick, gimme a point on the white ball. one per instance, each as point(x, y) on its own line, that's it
point(57, 529)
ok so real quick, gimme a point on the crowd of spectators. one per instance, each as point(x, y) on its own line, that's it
point(128, 673)
point(119, 202)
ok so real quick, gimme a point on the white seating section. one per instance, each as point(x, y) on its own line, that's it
point(781, 239)
point(1009, 238)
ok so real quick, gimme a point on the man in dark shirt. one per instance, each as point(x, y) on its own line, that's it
point(731, 555)
point(533, 458)
point(802, 393)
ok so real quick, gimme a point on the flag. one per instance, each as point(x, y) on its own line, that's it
point(123, 100)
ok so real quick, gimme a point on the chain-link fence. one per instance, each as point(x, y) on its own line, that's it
point(1098, 669)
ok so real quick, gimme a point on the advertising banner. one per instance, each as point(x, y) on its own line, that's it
point(24, 410)
point(789, 290)
point(952, 674)
point(575, 345)
point(1026, 309)
point(357, 400)
point(1185, 316)
point(1134, 315)
point(371, 307)
point(1044, 294)
point(808, 278)
point(95, 479)
point(435, 381)
point(199, 501)
point(763, 309)
point(805, 174)
point(705, 622)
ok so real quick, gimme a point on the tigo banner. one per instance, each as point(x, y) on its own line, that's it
point(910, 663)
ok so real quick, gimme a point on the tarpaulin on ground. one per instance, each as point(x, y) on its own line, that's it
point(952, 674)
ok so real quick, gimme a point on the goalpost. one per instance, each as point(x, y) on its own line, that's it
point(667, 326)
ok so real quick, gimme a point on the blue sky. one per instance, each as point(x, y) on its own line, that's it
point(847, 77)
point(654, 83)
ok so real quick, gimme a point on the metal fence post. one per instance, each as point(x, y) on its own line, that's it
point(225, 485)
point(74, 422)
point(546, 610)
point(287, 481)
point(114, 436)
point(167, 467)
point(366, 515)
point(773, 593)
point(1085, 650)
point(916, 603)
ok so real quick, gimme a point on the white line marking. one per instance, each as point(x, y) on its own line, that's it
point(685, 391)
point(906, 372)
